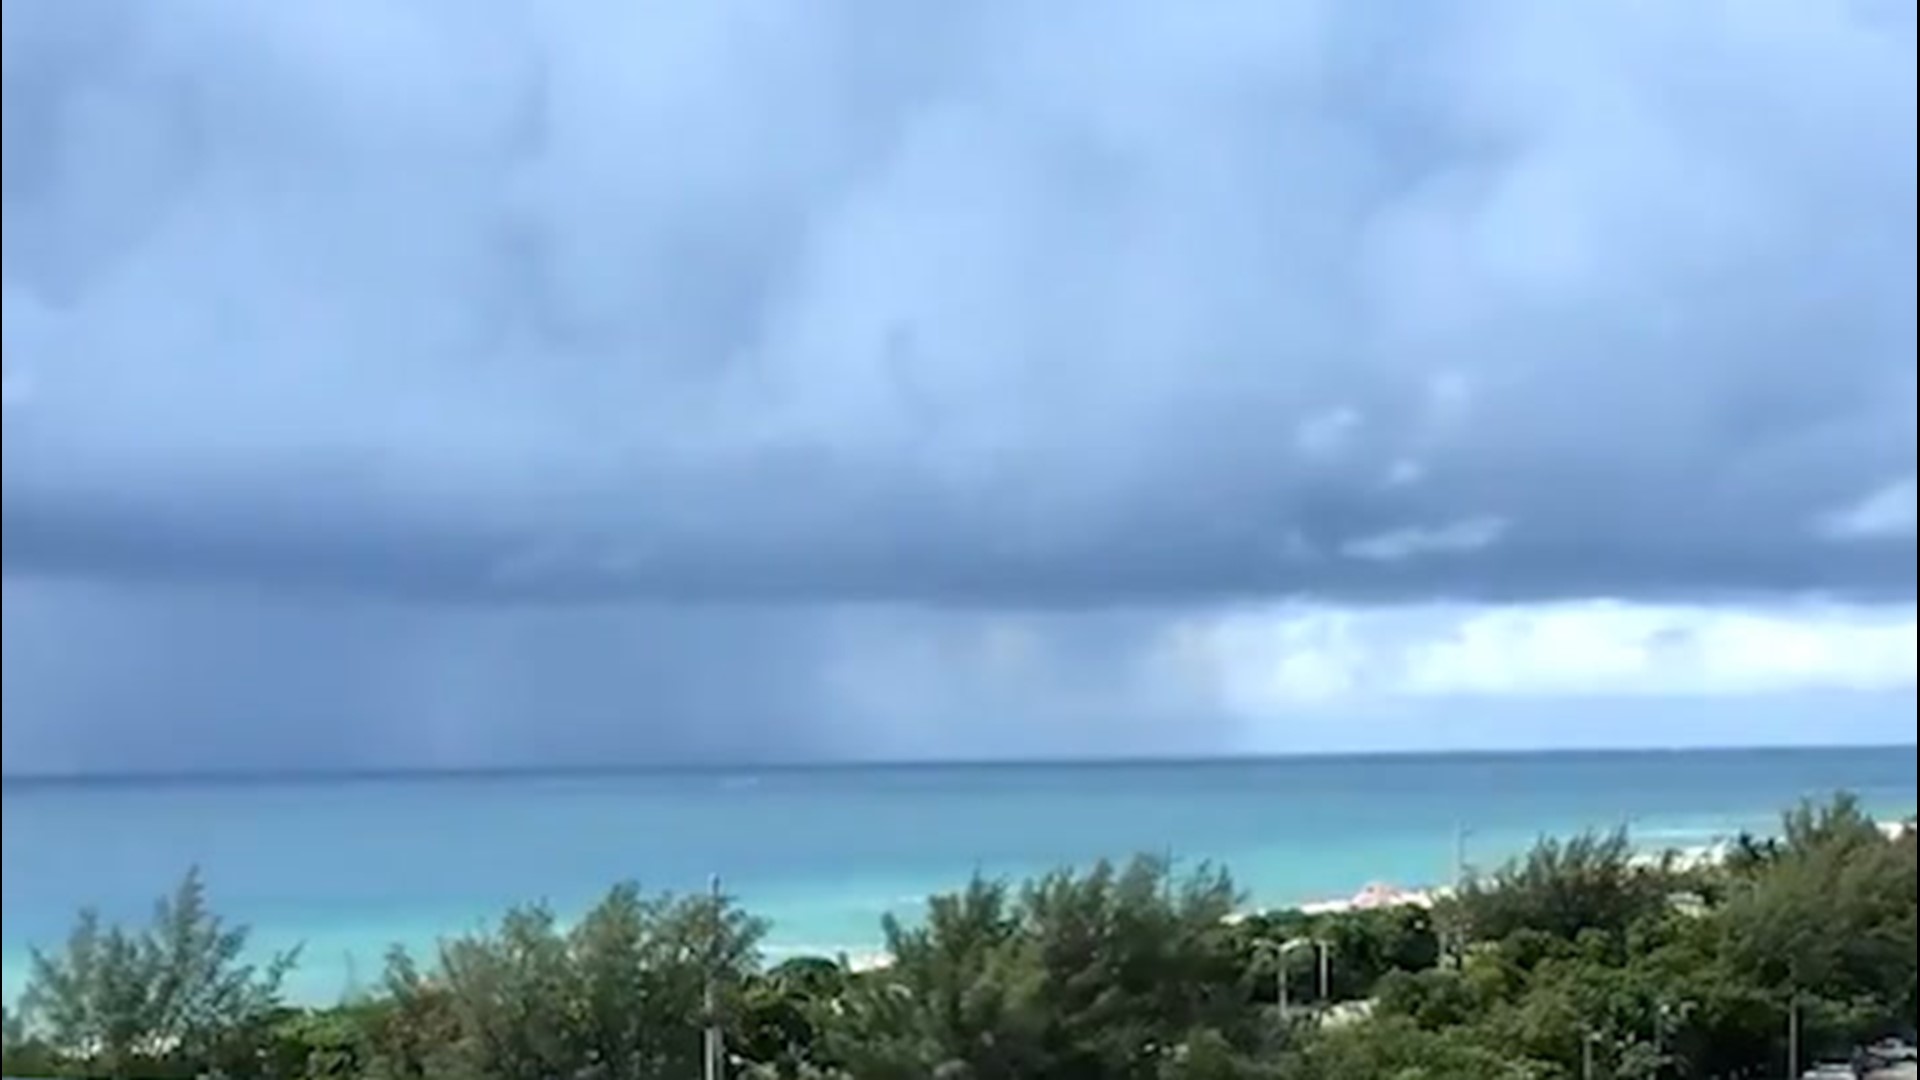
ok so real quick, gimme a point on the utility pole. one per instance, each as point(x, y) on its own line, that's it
point(713, 1048)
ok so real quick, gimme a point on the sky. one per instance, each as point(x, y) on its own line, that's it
point(472, 383)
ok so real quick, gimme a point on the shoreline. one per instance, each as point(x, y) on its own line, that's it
point(1380, 896)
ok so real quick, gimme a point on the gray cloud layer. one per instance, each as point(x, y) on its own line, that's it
point(171, 677)
point(384, 377)
point(837, 299)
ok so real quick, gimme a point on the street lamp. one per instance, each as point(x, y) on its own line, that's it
point(1453, 937)
point(1793, 1014)
point(1793, 1030)
point(1280, 949)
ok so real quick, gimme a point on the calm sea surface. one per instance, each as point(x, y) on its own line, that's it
point(349, 865)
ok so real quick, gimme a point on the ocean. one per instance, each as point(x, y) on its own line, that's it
point(348, 865)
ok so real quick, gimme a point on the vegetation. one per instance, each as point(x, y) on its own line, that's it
point(1576, 960)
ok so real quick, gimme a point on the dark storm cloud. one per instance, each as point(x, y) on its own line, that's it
point(983, 303)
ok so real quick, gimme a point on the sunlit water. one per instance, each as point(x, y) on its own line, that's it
point(347, 866)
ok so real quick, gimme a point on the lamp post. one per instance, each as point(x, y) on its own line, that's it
point(1280, 949)
point(1460, 834)
point(1662, 1015)
point(1326, 996)
point(713, 1049)
point(1793, 1012)
point(1453, 942)
point(1667, 1017)
point(1793, 1030)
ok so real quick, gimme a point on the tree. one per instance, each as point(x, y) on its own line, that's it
point(177, 991)
point(1364, 945)
point(1827, 920)
point(961, 992)
point(1592, 882)
point(1115, 973)
point(1398, 1049)
point(784, 1012)
point(1112, 973)
point(619, 996)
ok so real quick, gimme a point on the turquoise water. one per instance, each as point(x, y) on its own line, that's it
point(349, 865)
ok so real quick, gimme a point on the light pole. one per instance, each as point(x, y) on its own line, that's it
point(1460, 834)
point(1453, 942)
point(1280, 949)
point(1793, 1030)
point(1793, 1013)
point(1325, 971)
point(713, 1050)
point(1667, 1017)
point(1661, 1013)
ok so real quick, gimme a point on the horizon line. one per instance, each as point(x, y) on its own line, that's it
point(562, 770)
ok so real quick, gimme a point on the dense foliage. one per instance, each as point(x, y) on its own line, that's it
point(1576, 959)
